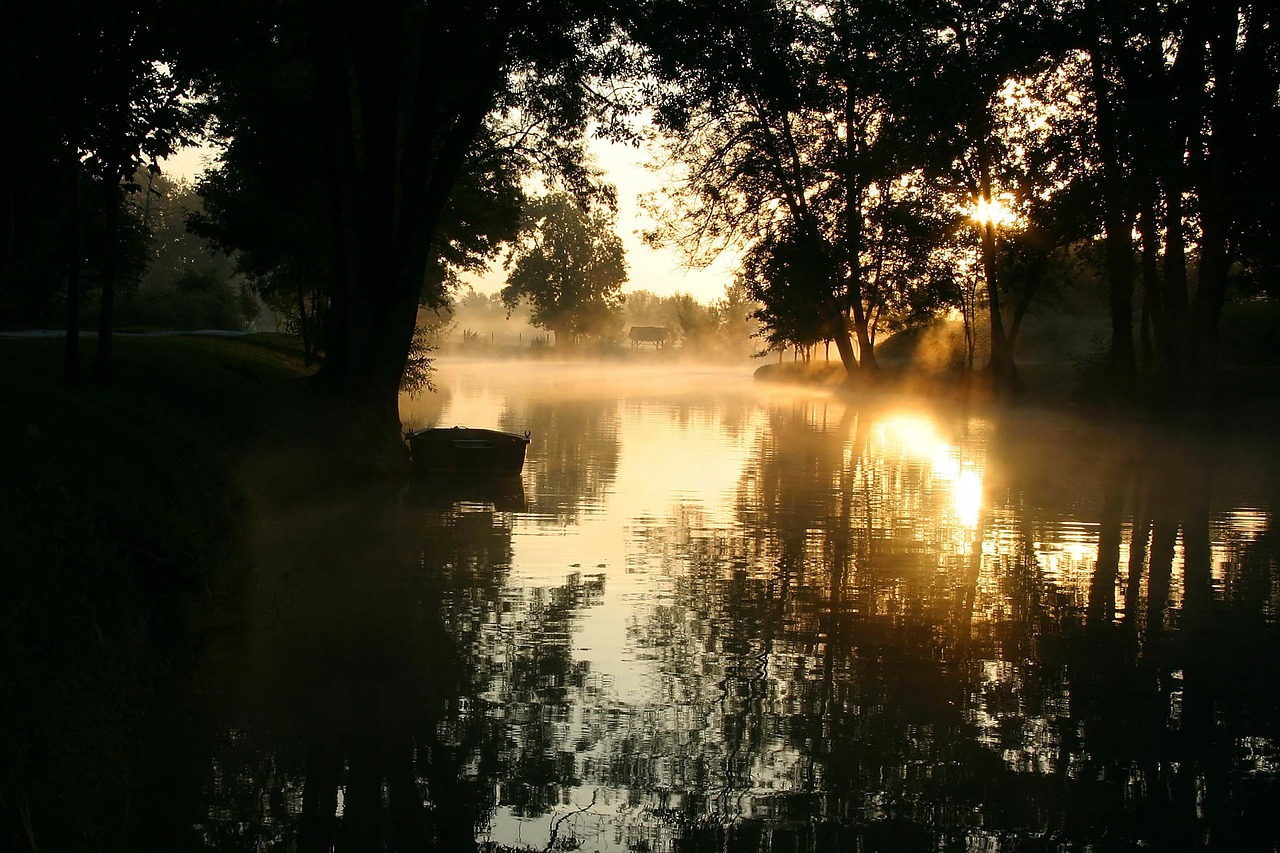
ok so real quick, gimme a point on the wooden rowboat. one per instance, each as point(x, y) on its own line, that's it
point(467, 449)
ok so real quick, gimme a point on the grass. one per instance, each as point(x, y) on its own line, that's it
point(119, 518)
point(1242, 398)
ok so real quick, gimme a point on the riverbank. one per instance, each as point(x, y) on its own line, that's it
point(120, 518)
point(1245, 399)
point(1043, 383)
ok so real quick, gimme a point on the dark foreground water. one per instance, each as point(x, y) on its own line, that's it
point(723, 617)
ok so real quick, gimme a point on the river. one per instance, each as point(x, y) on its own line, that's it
point(729, 616)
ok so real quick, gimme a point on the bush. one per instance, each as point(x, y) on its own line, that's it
point(1250, 327)
point(195, 301)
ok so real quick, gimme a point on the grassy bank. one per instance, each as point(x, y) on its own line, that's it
point(119, 518)
point(1243, 398)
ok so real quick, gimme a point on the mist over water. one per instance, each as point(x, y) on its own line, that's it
point(724, 616)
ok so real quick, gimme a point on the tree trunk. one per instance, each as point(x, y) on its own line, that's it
point(304, 323)
point(1004, 374)
point(1174, 307)
point(853, 186)
point(1215, 192)
point(75, 260)
point(1182, 92)
point(111, 250)
point(116, 166)
point(403, 89)
point(844, 347)
point(1119, 251)
point(1117, 221)
point(1035, 275)
point(1156, 337)
point(394, 159)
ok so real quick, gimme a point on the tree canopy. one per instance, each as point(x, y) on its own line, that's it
point(846, 143)
point(570, 266)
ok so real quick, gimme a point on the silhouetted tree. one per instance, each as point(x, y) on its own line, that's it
point(115, 98)
point(838, 141)
point(410, 103)
point(570, 266)
point(141, 109)
point(1185, 130)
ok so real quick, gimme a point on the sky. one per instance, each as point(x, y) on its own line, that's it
point(660, 271)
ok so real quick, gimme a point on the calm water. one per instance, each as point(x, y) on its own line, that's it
point(731, 617)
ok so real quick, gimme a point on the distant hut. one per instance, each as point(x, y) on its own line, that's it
point(656, 335)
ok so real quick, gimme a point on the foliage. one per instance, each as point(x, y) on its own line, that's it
point(418, 369)
point(795, 132)
point(195, 301)
point(722, 328)
point(34, 293)
point(839, 141)
point(115, 99)
point(570, 266)
point(164, 206)
point(431, 117)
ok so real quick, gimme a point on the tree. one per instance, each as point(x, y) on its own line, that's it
point(723, 328)
point(401, 115)
point(975, 62)
point(164, 206)
point(737, 107)
point(570, 267)
point(141, 110)
point(411, 105)
point(113, 99)
point(1184, 109)
point(789, 122)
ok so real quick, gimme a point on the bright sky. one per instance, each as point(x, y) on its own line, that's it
point(658, 271)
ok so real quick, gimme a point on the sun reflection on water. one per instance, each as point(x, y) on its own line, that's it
point(915, 437)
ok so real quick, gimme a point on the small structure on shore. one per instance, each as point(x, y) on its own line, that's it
point(656, 335)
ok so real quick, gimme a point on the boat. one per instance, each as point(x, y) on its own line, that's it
point(440, 450)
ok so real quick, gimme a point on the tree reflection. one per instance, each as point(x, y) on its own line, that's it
point(393, 690)
point(868, 657)
point(573, 456)
point(868, 671)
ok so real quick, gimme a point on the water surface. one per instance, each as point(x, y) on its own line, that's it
point(730, 617)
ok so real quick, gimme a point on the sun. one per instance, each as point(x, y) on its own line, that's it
point(993, 211)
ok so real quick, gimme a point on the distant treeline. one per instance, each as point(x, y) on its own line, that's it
point(725, 328)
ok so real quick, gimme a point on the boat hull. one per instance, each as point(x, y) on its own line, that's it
point(464, 449)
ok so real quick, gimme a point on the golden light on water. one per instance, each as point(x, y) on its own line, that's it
point(917, 437)
point(913, 435)
point(967, 493)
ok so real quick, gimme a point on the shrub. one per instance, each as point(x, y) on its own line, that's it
point(195, 301)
